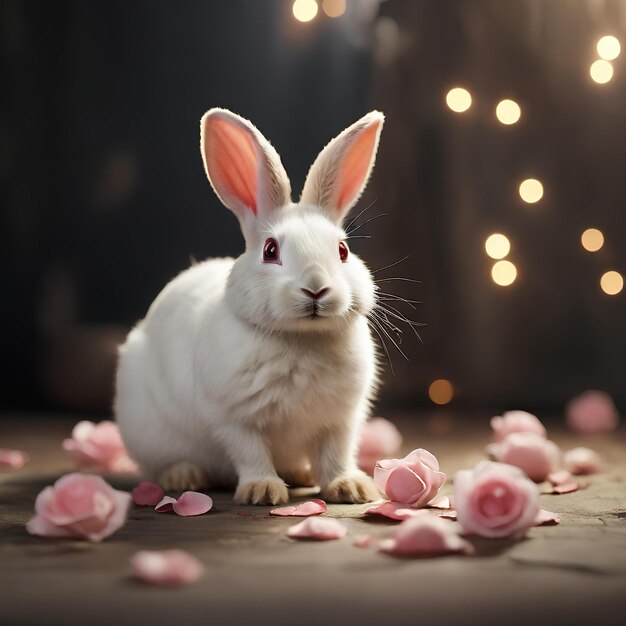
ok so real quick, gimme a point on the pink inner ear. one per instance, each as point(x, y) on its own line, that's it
point(232, 161)
point(356, 164)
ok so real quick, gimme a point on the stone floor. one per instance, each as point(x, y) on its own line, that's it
point(574, 573)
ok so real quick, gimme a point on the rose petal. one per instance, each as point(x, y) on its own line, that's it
point(310, 507)
point(547, 518)
point(363, 541)
point(165, 505)
point(404, 485)
point(192, 503)
point(320, 528)
point(582, 461)
point(425, 536)
point(442, 502)
point(451, 515)
point(13, 458)
point(147, 494)
point(516, 422)
point(395, 510)
point(569, 487)
point(171, 568)
point(560, 477)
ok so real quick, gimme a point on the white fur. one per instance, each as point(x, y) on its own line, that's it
point(230, 372)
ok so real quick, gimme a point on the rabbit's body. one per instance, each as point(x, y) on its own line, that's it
point(256, 370)
point(290, 388)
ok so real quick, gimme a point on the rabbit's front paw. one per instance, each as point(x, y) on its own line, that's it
point(184, 476)
point(264, 491)
point(353, 489)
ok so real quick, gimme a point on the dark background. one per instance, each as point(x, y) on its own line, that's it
point(104, 198)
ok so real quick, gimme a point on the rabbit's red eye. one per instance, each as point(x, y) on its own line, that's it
point(343, 251)
point(271, 253)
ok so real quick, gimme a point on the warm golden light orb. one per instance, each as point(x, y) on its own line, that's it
point(601, 71)
point(441, 391)
point(497, 246)
point(334, 8)
point(608, 47)
point(508, 112)
point(459, 99)
point(612, 282)
point(304, 10)
point(504, 273)
point(592, 239)
point(531, 190)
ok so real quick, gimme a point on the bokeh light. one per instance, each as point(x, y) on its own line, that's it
point(592, 239)
point(504, 273)
point(441, 391)
point(497, 246)
point(608, 47)
point(459, 99)
point(531, 190)
point(334, 8)
point(508, 112)
point(304, 10)
point(601, 71)
point(612, 282)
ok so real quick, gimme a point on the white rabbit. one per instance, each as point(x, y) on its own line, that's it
point(253, 371)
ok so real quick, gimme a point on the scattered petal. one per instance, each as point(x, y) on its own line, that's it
point(192, 503)
point(582, 461)
point(169, 568)
point(425, 536)
point(569, 487)
point(13, 458)
point(395, 510)
point(147, 494)
point(363, 541)
point(547, 518)
point(451, 515)
point(592, 412)
point(310, 507)
point(320, 528)
point(165, 505)
point(441, 502)
point(560, 477)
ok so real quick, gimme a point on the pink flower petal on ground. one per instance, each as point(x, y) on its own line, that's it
point(442, 502)
point(516, 422)
point(165, 505)
point(169, 568)
point(310, 507)
point(425, 536)
point(320, 528)
point(13, 458)
point(569, 487)
point(363, 541)
point(547, 518)
point(147, 494)
point(451, 515)
point(582, 461)
point(192, 503)
point(395, 510)
point(560, 477)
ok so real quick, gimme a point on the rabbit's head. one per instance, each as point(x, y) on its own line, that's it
point(297, 272)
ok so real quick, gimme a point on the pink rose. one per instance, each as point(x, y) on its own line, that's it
point(516, 422)
point(379, 439)
point(592, 412)
point(495, 500)
point(13, 458)
point(167, 568)
point(582, 461)
point(413, 480)
point(79, 505)
point(99, 446)
point(533, 453)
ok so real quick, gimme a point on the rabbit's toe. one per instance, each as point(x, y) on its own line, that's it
point(264, 491)
point(354, 489)
point(184, 476)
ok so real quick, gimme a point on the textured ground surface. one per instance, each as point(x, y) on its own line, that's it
point(574, 573)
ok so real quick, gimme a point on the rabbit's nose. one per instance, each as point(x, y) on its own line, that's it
point(315, 295)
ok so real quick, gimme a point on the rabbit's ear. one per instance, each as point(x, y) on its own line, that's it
point(341, 171)
point(242, 166)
